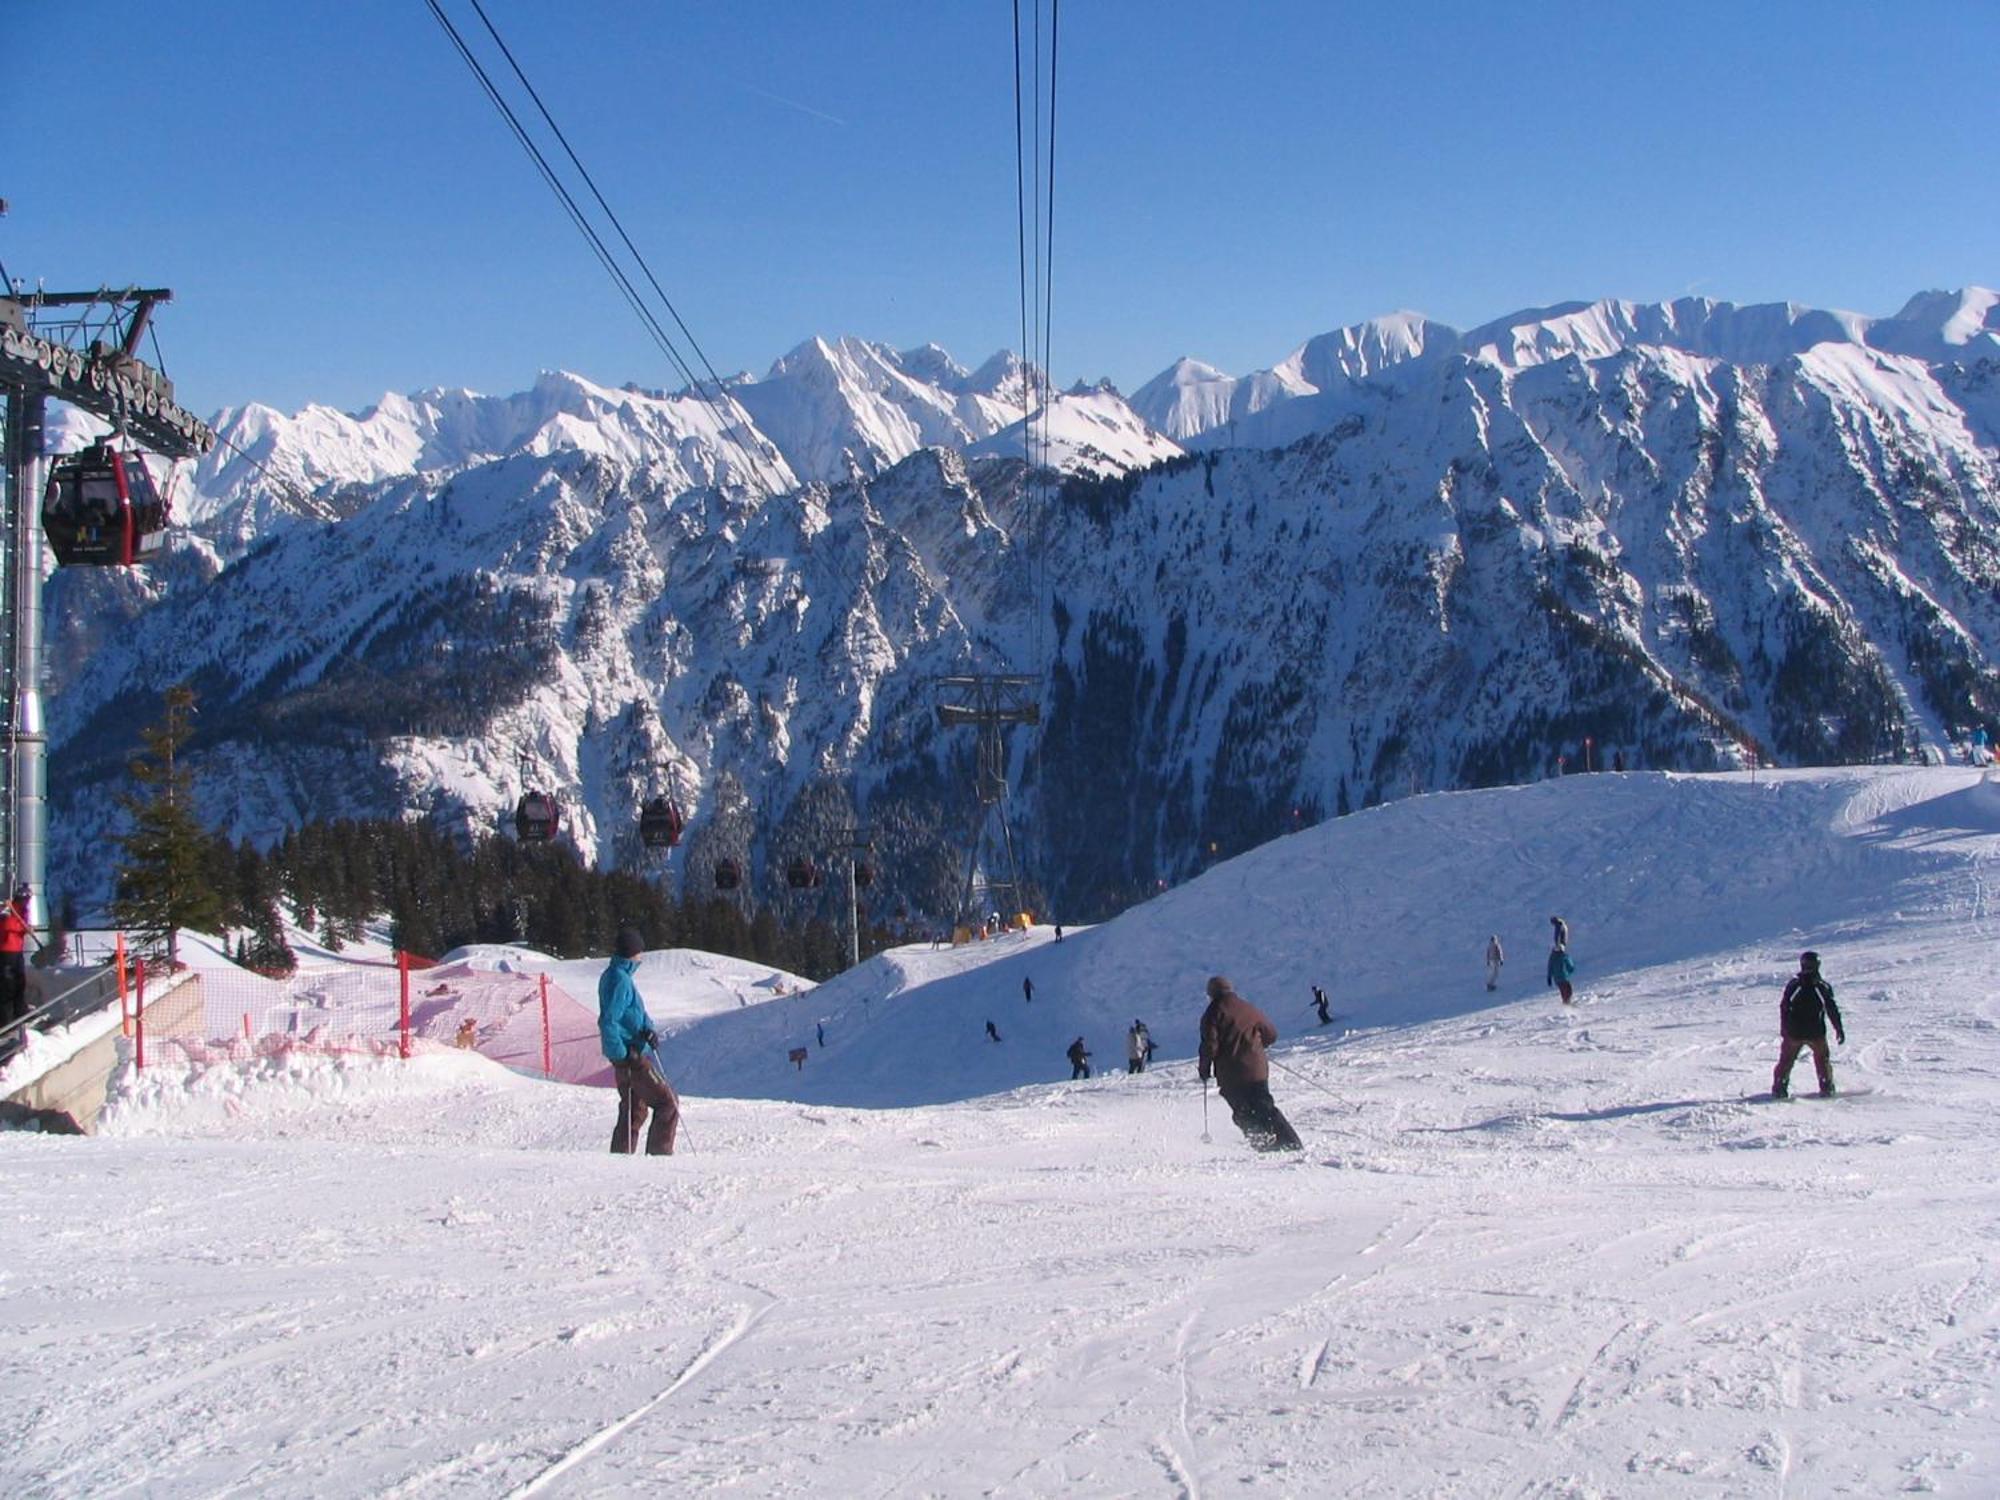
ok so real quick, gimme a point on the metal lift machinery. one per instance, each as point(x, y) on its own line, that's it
point(79, 347)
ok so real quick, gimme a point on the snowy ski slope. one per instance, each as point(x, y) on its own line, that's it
point(1528, 1251)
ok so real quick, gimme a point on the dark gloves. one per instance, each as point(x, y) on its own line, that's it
point(1840, 1036)
point(648, 1039)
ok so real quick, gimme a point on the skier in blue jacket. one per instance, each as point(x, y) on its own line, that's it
point(627, 1034)
point(1561, 968)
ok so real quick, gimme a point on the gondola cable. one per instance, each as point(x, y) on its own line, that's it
point(609, 213)
point(648, 321)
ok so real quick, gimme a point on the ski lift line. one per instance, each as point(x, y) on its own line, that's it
point(647, 321)
point(301, 496)
point(1049, 224)
point(1021, 233)
point(617, 224)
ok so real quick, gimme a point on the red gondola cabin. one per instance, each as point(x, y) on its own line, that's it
point(537, 816)
point(102, 508)
point(660, 824)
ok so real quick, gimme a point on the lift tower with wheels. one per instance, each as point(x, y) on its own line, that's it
point(989, 702)
point(79, 347)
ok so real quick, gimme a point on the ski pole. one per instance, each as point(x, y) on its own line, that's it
point(660, 1068)
point(1205, 1138)
point(1311, 1083)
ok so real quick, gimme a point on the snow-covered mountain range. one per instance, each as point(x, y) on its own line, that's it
point(1402, 557)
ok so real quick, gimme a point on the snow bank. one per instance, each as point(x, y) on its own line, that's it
point(190, 1088)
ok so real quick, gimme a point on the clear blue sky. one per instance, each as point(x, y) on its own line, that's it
point(341, 213)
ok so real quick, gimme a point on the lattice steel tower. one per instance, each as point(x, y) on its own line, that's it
point(989, 703)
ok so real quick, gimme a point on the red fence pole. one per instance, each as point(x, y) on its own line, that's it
point(403, 1022)
point(548, 1056)
point(139, 1022)
point(124, 1000)
point(246, 1025)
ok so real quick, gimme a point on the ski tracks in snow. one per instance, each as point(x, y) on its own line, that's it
point(582, 1451)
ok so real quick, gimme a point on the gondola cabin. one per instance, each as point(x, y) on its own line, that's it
point(660, 824)
point(864, 876)
point(728, 875)
point(102, 508)
point(537, 816)
point(801, 874)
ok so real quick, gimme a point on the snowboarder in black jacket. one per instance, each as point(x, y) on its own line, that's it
point(1079, 1059)
point(1802, 1019)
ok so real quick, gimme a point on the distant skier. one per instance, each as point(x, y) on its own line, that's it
point(1234, 1034)
point(1802, 1017)
point(1320, 1004)
point(1079, 1060)
point(1495, 957)
point(1059, 932)
point(1138, 1047)
point(628, 1038)
point(1027, 989)
point(819, 1031)
point(1562, 968)
point(992, 1032)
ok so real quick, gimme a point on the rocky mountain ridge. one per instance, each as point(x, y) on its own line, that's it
point(1403, 558)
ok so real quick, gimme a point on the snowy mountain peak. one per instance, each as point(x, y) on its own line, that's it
point(934, 364)
point(1088, 431)
point(1931, 324)
point(1362, 350)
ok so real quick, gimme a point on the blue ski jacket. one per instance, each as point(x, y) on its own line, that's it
point(621, 1014)
point(1560, 965)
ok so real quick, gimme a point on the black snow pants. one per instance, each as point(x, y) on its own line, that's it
point(1788, 1053)
point(13, 987)
point(1256, 1115)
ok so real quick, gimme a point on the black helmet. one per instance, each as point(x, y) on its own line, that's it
point(1809, 960)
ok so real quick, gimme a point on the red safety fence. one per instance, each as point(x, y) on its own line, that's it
point(524, 1021)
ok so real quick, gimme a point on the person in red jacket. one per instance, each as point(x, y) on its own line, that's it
point(1234, 1034)
point(14, 930)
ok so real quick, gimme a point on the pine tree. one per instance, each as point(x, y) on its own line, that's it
point(163, 881)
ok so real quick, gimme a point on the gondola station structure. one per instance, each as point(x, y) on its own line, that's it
point(98, 508)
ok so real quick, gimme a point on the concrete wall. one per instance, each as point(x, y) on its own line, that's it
point(75, 1088)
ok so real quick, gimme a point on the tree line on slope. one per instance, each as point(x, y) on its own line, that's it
point(437, 891)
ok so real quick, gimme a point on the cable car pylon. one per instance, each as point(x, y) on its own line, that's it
point(989, 702)
point(79, 347)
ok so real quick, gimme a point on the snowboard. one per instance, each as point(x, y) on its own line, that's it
point(1853, 1091)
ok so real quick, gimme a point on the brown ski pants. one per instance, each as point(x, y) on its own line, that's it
point(642, 1091)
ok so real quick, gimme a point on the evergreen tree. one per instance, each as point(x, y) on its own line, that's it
point(164, 879)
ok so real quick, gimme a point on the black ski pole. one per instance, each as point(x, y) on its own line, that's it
point(1312, 1083)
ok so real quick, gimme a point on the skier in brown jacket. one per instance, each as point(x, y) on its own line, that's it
point(1234, 1034)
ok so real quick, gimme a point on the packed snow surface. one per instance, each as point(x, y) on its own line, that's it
point(1529, 1249)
